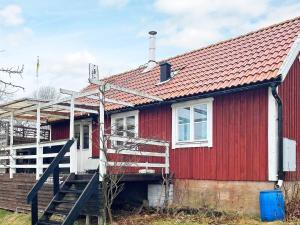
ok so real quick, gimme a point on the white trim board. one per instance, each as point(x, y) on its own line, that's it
point(290, 58)
point(272, 138)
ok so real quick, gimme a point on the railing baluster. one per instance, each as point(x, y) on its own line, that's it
point(34, 210)
point(56, 180)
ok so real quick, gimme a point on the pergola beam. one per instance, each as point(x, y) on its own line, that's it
point(48, 113)
point(114, 101)
point(51, 103)
point(126, 90)
point(78, 109)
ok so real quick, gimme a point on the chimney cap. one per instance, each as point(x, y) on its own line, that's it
point(164, 63)
point(153, 32)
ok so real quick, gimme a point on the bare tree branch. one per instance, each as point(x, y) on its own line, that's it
point(10, 84)
point(11, 70)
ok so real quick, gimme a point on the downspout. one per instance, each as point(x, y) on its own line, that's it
point(280, 136)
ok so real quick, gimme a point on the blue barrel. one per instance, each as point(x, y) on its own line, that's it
point(271, 205)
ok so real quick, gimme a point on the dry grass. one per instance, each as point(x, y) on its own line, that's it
point(197, 219)
point(9, 218)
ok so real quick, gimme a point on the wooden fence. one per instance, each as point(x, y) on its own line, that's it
point(13, 192)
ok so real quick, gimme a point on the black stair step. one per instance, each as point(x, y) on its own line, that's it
point(48, 222)
point(83, 181)
point(83, 177)
point(71, 191)
point(58, 212)
point(64, 202)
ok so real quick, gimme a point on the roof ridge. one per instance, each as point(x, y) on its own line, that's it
point(208, 46)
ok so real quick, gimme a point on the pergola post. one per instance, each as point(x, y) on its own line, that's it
point(167, 159)
point(102, 156)
point(39, 151)
point(12, 160)
point(73, 149)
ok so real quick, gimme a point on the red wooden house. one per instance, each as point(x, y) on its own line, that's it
point(220, 114)
point(229, 111)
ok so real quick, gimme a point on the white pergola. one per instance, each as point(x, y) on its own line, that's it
point(66, 108)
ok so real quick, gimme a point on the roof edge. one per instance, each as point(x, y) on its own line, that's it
point(290, 58)
point(230, 90)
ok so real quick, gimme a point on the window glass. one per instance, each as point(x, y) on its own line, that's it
point(77, 135)
point(119, 126)
point(119, 129)
point(86, 136)
point(200, 122)
point(130, 126)
point(184, 124)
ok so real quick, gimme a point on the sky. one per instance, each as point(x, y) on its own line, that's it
point(113, 34)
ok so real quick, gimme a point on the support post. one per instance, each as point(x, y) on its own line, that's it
point(34, 210)
point(12, 161)
point(87, 220)
point(56, 180)
point(39, 151)
point(73, 150)
point(102, 156)
point(167, 160)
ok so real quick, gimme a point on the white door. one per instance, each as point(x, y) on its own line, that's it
point(83, 135)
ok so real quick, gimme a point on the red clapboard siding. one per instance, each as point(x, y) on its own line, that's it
point(60, 130)
point(95, 135)
point(239, 139)
point(290, 94)
point(239, 149)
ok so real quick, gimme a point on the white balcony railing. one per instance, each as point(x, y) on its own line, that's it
point(141, 158)
point(29, 158)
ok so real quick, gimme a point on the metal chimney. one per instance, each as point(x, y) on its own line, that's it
point(152, 39)
point(152, 48)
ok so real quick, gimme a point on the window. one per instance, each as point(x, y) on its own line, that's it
point(82, 133)
point(86, 136)
point(192, 123)
point(77, 135)
point(125, 124)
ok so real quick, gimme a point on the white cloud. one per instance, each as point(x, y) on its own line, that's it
point(18, 37)
point(11, 15)
point(193, 23)
point(114, 3)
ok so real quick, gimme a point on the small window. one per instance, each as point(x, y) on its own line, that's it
point(77, 135)
point(86, 136)
point(124, 124)
point(184, 120)
point(82, 133)
point(200, 122)
point(192, 124)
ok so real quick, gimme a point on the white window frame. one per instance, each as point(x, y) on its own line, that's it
point(192, 143)
point(81, 123)
point(123, 115)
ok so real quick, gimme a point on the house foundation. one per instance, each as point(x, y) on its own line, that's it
point(233, 196)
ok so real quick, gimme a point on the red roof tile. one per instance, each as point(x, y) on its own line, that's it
point(251, 58)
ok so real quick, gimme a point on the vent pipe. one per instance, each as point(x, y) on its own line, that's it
point(152, 40)
point(151, 61)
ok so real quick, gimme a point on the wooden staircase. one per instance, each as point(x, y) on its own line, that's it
point(70, 199)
